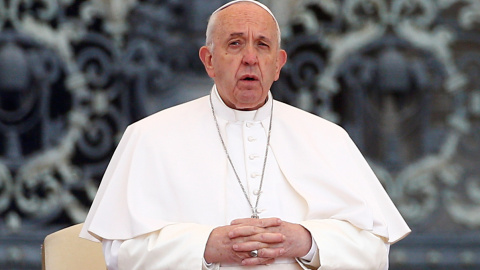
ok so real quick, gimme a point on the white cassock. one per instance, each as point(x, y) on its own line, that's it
point(169, 184)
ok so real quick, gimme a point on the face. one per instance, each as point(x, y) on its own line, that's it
point(246, 58)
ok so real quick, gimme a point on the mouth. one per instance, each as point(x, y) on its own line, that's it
point(249, 78)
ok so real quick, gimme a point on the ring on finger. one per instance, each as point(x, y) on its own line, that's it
point(254, 253)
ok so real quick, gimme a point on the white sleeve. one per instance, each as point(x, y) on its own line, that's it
point(181, 245)
point(110, 252)
point(210, 266)
point(344, 246)
point(111, 248)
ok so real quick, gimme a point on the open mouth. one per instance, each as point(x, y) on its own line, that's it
point(249, 78)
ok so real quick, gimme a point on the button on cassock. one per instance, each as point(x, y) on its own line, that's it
point(256, 192)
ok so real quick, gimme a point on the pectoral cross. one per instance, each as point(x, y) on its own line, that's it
point(255, 214)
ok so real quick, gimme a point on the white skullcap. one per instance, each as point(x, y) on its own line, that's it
point(249, 1)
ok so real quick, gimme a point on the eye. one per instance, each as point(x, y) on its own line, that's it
point(234, 43)
point(263, 44)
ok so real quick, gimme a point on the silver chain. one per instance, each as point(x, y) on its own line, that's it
point(254, 209)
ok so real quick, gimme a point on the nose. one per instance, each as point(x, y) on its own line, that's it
point(250, 55)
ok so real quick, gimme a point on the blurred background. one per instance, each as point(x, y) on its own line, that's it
point(402, 76)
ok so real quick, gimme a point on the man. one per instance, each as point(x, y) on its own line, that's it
point(237, 180)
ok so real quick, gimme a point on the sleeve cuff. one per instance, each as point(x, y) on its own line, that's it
point(210, 266)
point(311, 253)
point(312, 259)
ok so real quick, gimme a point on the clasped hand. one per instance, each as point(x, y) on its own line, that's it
point(272, 237)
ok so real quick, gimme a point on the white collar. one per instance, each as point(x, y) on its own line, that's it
point(232, 115)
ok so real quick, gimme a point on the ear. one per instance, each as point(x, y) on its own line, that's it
point(206, 57)
point(281, 60)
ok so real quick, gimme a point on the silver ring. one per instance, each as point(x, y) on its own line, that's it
point(254, 253)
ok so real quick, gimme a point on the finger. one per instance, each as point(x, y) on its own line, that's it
point(244, 255)
point(257, 261)
point(249, 246)
point(257, 241)
point(245, 231)
point(271, 252)
point(268, 252)
point(252, 233)
point(263, 222)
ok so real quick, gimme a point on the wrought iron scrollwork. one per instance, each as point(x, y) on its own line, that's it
point(61, 110)
point(390, 73)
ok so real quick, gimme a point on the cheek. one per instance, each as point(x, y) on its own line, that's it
point(270, 70)
point(270, 63)
point(225, 66)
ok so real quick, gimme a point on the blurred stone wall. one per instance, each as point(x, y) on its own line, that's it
point(402, 76)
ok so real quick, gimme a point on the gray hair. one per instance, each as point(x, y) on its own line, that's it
point(212, 21)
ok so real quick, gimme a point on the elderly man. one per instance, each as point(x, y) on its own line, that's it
point(238, 180)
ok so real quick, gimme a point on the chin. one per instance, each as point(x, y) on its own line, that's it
point(249, 105)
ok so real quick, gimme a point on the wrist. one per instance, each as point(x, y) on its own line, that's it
point(209, 253)
point(307, 244)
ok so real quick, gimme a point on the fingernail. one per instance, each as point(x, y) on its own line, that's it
point(235, 247)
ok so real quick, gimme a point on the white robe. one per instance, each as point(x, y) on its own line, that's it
point(178, 149)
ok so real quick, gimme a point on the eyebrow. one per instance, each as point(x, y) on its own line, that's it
point(241, 34)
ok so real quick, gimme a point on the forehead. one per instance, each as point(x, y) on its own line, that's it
point(244, 16)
